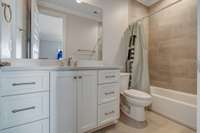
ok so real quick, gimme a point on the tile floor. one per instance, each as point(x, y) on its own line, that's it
point(156, 124)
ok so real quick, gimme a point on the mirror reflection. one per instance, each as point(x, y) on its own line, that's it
point(52, 30)
point(51, 36)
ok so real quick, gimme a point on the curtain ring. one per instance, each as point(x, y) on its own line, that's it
point(6, 6)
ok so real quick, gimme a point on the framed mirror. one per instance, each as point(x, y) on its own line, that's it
point(42, 29)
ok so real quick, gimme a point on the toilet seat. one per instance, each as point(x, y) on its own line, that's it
point(132, 93)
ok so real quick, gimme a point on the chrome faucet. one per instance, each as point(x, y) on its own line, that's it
point(69, 61)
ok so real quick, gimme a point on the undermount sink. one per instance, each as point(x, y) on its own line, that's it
point(89, 63)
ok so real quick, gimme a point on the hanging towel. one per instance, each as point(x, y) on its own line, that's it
point(137, 60)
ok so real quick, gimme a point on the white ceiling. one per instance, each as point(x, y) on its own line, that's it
point(73, 6)
point(148, 2)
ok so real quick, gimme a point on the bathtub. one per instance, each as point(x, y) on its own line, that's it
point(178, 106)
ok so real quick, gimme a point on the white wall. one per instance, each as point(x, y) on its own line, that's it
point(20, 37)
point(82, 34)
point(115, 21)
point(6, 34)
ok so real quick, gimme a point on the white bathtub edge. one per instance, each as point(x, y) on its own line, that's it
point(179, 111)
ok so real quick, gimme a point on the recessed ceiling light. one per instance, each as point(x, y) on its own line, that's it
point(78, 1)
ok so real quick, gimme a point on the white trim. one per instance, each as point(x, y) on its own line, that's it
point(14, 29)
point(68, 11)
point(0, 32)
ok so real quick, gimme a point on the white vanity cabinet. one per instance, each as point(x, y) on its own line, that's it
point(108, 96)
point(83, 101)
point(87, 101)
point(24, 102)
point(67, 101)
point(41, 126)
point(73, 101)
point(63, 95)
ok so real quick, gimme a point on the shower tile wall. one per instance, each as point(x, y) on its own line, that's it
point(173, 46)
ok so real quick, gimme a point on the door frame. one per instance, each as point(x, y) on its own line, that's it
point(198, 67)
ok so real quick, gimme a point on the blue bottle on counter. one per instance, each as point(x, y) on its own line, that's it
point(59, 54)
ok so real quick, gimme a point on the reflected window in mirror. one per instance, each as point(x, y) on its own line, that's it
point(51, 36)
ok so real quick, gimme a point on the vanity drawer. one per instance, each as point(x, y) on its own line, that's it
point(109, 76)
point(21, 109)
point(108, 93)
point(12, 83)
point(36, 127)
point(107, 113)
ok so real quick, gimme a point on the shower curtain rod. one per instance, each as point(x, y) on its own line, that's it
point(152, 14)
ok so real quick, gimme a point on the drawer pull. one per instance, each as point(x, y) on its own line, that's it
point(24, 109)
point(20, 84)
point(109, 113)
point(110, 76)
point(110, 93)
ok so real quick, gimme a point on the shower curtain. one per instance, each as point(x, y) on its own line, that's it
point(137, 60)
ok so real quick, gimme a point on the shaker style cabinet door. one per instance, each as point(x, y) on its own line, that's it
point(87, 101)
point(63, 102)
point(36, 127)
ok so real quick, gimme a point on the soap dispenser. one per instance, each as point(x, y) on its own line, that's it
point(59, 55)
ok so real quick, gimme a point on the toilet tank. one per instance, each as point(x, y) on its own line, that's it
point(124, 81)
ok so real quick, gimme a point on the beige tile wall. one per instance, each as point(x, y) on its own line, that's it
point(173, 46)
point(172, 36)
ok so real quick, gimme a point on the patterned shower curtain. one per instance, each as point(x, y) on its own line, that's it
point(137, 60)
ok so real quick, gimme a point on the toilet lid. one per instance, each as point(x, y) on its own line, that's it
point(137, 94)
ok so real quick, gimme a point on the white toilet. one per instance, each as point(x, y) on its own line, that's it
point(133, 102)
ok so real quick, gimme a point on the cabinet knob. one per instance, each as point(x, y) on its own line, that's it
point(75, 77)
point(80, 77)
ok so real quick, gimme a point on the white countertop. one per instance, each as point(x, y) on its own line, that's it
point(54, 68)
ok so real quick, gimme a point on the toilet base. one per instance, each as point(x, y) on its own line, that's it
point(138, 113)
point(134, 112)
point(134, 108)
point(131, 122)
